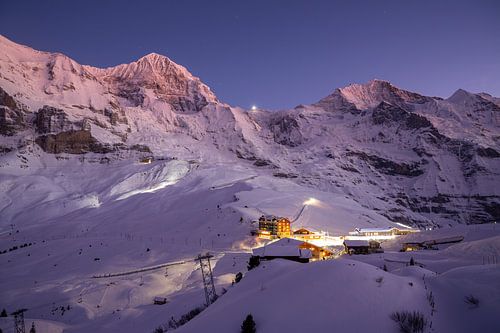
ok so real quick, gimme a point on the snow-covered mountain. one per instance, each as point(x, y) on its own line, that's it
point(76, 204)
point(415, 159)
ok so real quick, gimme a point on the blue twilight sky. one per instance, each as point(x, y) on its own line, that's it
point(277, 54)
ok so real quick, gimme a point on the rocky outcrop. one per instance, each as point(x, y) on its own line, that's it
point(474, 209)
point(488, 152)
point(286, 131)
point(187, 104)
point(141, 148)
point(115, 117)
point(52, 120)
point(389, 114)
point(71, 142)
point(12, 116)
point(389, 167)
point(462, 149)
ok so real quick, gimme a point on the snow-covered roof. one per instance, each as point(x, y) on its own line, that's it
point(363, 230)
point(269, 217)
point(356, 242)
point(285, 247)
point(311, 230)
point(387, 229)
point(281, 251)
point(272, 218)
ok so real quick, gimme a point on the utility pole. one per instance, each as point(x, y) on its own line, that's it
point(208, 279)
point(19, 321)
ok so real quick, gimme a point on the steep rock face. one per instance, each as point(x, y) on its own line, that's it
point(488, 152)
point(286, 131)
point(71, 142)
point(12, 116)
point(389, 167)
point(386, 113)
point(52, 120)
point(170, 82)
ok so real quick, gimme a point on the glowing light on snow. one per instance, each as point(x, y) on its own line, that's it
point(254, 107)
point(312, 202)
point(148, 190)
point(151, 180)
point(404, 225)
point(248, 244)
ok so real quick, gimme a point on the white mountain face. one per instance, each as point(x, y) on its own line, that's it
point(414, 159)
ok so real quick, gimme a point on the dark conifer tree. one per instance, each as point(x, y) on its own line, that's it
point(248, 325)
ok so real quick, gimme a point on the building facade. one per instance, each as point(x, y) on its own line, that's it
point(306, 234)
point(274, 227)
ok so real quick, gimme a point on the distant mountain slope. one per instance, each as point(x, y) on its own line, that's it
point(415, 159)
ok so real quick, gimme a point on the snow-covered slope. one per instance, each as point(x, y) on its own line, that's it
point(351, 296)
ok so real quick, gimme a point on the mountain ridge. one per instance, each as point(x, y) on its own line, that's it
point(419, 160)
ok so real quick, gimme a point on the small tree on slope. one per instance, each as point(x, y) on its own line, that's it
point(248, 325)
point(253, 262)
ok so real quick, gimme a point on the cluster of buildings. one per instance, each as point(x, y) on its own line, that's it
point(382, 232)
point(272, 227)
point(304, 245)
point(365, 240)
point(290, 244)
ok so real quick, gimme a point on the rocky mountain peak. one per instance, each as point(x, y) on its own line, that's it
point(151, 66)
point(476, 104)
point(169, 81)
point(462, 96)
point(369, 95)
point(153, 56)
